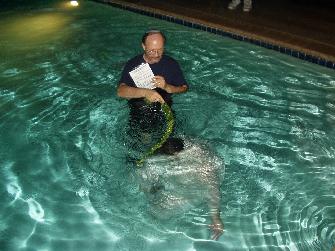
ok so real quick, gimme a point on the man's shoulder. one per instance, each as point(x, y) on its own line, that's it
point(135, 60)
point(169, 59)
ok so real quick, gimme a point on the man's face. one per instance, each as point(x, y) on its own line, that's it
point(153, 48)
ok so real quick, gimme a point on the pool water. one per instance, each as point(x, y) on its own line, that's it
point(265, 120)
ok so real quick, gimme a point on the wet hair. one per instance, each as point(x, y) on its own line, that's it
point(172, 146)
point(151, 32)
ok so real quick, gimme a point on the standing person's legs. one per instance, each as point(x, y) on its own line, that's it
point(233, 4)
point(247, 5)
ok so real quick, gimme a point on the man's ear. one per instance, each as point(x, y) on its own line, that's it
point(143, 46)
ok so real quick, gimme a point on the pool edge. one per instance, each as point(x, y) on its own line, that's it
point(272, 44)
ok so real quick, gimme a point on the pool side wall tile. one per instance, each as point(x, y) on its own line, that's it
point(288, 51)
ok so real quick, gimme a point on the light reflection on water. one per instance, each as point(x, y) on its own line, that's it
point(35, 28)
point(67, 181)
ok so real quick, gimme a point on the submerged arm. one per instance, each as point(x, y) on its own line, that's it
point(214, 207)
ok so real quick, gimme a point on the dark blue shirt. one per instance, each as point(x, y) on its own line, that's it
point(167, 67)
point(142, 115)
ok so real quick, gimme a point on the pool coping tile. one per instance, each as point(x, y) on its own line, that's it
point(221, 31)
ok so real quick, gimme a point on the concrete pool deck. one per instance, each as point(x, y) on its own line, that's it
point(306, 26)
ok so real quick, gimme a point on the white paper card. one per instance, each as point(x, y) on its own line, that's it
point(142, 76)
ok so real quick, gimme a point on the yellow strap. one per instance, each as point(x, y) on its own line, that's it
point(169, 128)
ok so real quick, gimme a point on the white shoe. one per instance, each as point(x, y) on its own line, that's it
point(247, 6)
point(234, 4)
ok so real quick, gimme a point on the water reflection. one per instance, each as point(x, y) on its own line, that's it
point(38, 28)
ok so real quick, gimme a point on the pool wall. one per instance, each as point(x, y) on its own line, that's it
point(227, 32)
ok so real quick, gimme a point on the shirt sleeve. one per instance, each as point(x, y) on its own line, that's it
point(178, 76)
point(172, 72)
point(125, 76)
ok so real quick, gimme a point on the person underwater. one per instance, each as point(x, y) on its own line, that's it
point(181, 176)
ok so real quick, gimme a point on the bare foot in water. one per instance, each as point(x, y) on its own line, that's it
point(216, 228)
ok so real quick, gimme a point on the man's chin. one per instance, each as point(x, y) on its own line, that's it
point(153, 61)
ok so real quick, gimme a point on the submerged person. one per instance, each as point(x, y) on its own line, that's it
point(182, 178)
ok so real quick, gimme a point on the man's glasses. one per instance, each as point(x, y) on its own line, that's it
point(154, 52)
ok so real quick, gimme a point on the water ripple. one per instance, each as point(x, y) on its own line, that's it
point(65, 167)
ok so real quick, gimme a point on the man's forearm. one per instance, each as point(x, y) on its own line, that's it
point(175, 89)
point(128, 92)
point(125, 91)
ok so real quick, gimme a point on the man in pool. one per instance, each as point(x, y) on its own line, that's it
point(147, 120)
point(168, 77)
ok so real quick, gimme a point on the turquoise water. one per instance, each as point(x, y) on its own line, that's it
point(65, 180)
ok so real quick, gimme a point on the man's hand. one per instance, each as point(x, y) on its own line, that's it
point(159, 82)
point(153, 96)
point(216, 228)
point(128, 92)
